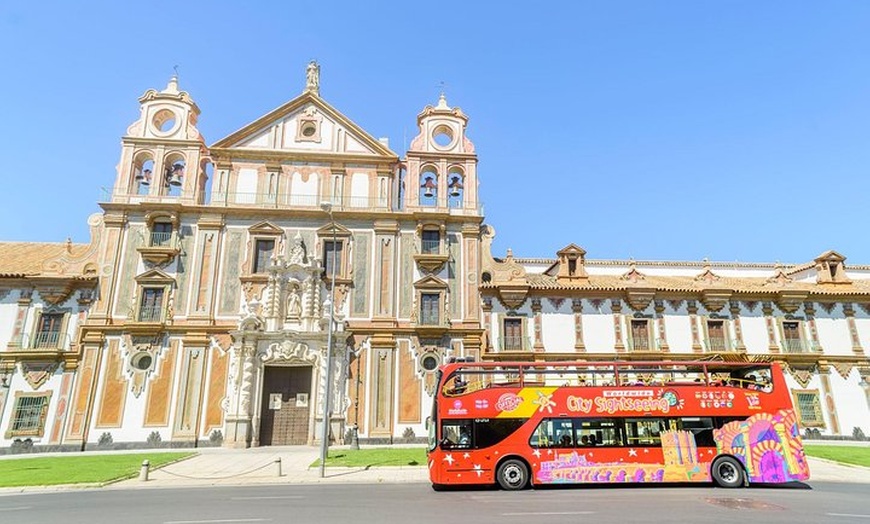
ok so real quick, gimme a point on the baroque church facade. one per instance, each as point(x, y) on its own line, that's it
point(226, 285)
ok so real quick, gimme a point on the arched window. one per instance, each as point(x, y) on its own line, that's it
point(428, 187)
point(143, 174)
point(173, 175)
point(455, 187)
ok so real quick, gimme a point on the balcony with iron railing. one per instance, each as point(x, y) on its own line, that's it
point(150, 313)
point(794, 345)
point(513, 343)
point(430, 247)
point(641, 344)
point(717, 344)
point(161, 238)
point(277, 200)
point(42, 340)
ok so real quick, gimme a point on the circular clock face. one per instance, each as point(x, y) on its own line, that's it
point(164, 121)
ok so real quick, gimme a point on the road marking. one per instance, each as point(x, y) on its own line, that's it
point(848, 515)
point(268, 498)
point(214, 521)
point(16, 508)
point(546, 513)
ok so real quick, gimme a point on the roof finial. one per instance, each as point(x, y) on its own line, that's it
point(172, 86)
point(312, 78)
point(442, 97)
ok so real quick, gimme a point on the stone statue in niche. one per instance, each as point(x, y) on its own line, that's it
point(297, 252)
point(294, 306)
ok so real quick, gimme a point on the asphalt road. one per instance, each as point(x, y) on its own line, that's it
point(416, 503)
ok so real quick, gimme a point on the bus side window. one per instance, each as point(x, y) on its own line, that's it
point(544, 436)
point(701, 428)
point(456, 434)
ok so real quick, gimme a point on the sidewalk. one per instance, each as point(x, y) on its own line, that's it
point(231, 467)
point(257, 466)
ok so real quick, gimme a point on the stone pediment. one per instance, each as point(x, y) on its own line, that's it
point(430, 282)
point(265, 228)
point(305, 124)
point(154, 276)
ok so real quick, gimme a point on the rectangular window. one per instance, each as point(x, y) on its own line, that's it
point(809, 408)
point(791, 337)
point(640, 335)
point(28, 416)
point(151, 306)
point(332, 252)
point(553, 433)
point(262, 253)
point(701, 428)
point(716, 340)
point(644, 431)
point(597, 432)
point(48, 331)
point(161, 234)
point(429, 306)
point(431, 242)
point(513, 334)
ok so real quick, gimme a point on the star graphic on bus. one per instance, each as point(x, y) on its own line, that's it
point(466, 455)
point(544, 401)
point(537, 453)
point(477, 469)
point(449, 459)
point(632, 453)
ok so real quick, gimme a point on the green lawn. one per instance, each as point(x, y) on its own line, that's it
point(375, 457)
point(47, 471)
point(856, 455)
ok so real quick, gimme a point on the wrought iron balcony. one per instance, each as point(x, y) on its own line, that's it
point(514, 343)
point(430, 247)
point(641, 344)
point(160, 238)
point(43, 340)
point(717, 344)
point(150, 313)
point(286, 200)
point(792, 345)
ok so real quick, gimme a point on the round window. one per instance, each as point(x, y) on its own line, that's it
point(142, 361)
point(429, 362)
point(308, 130)
point(164, 120)
point(443, 135)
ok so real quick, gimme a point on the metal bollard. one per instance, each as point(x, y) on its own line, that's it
point(143, 472)
point(278, 463)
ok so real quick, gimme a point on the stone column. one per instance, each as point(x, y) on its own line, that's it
point(616, 309)
point(739, 345)
point(828, 396)
point(660, 325)
point(767, 309)
point(692, 308)
point(849, 311)
point(536, 310)
point(810, 311)
point(238, 431)
point(577, 308)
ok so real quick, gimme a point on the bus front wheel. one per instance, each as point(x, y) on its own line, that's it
point(728, 472)
point(512, 475)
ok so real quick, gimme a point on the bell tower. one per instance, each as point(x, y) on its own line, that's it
point(163, 154)
point(441, 163)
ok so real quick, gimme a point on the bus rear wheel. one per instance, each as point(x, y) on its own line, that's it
point(728, 472)
point(512, 475)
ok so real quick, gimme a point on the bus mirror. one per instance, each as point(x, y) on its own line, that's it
point(428, 421)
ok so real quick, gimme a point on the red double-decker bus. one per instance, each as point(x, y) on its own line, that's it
point(521, 424)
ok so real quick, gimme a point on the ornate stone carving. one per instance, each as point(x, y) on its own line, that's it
point(291, 351)
point(37, 373)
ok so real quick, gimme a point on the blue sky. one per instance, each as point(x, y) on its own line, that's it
point(664, 130)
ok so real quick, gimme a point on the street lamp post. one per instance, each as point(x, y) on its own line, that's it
point(354, 436)
point(327, 387)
